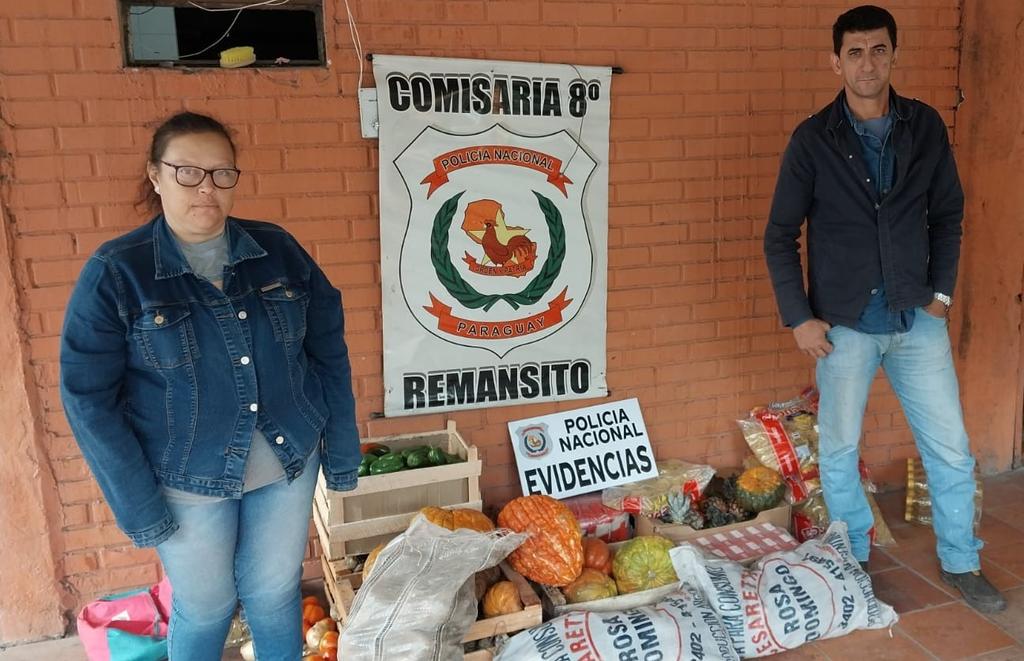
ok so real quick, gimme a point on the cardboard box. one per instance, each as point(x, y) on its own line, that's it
point(777, 516)
point(747, 543)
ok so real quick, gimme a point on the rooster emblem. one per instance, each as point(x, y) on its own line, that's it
point(507, 250)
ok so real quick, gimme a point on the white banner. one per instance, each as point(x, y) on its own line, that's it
point(576, 452)
point(494, 232)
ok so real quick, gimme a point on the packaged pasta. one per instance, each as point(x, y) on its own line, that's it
point(784, 437)
point(811, 519)
point(919, 501)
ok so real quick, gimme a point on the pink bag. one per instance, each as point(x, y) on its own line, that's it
point(131, 626)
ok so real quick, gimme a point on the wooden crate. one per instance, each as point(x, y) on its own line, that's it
point(381, 506)
point(555, 604)
point(342, 585)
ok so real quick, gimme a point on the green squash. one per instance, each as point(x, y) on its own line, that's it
point(643, 563)
point(759, 489)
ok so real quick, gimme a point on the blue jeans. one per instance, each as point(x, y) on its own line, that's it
point(249, 549)
point(919, 366)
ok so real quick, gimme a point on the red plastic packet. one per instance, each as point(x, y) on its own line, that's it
point(598, 520)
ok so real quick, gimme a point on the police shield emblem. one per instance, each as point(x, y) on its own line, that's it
point(497, 252)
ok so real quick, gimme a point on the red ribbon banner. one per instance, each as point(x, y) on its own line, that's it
point(497, 330)
point(495, 155)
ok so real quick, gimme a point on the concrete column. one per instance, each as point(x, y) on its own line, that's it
point(30, 597)
point(990, 155)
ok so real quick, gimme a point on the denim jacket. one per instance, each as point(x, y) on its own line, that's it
point(164, 376)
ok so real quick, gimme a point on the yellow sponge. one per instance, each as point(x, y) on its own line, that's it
point(240, 56)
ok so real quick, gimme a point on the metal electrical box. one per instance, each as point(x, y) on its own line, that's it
point(368, 121)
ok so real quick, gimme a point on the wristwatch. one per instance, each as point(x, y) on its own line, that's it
point(944, 299)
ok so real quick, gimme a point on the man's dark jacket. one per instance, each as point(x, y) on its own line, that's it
point(910, 240)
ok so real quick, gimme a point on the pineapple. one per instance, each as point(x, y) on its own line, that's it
point(738, 512)
point(681, 510)
point(716, 512)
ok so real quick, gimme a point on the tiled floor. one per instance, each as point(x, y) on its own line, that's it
point(934, 624)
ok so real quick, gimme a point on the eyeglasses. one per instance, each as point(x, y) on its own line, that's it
point(191, 176)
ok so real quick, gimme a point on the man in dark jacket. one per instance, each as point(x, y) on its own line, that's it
point(873, 175)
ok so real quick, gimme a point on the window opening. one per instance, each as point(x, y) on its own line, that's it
point(188, 33)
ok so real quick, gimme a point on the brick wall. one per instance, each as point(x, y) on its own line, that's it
point(711, 91)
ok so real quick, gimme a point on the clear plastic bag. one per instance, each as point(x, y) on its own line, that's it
point(919, 500)
point(419, 601)
point(811, 519)
point(598, 520)
point(784, 437)
point(650, 497)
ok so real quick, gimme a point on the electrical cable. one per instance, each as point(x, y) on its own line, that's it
point(239, 10)
point(220, 39)
point(150, 8)
point(272, 3)
point(356, 43)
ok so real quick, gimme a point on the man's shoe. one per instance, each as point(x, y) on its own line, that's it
point(979, 594)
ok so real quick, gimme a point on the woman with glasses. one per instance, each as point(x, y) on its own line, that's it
point(206, 379)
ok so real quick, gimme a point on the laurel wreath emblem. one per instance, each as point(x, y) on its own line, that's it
point(464, 292)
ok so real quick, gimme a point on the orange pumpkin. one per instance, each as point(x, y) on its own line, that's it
point(329, 646)
point(597, 555)
point(371, 559)
point(458, 518)
point(590, 586)
point(553, 552)
point(484, 579)
point(313, 613)
point(501, 598)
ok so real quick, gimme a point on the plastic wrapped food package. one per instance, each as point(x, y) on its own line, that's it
point(650, 497)
point(598, 520)
point(919, 501)
point(811, 519)
point(783, 436)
